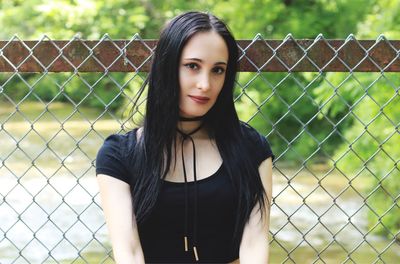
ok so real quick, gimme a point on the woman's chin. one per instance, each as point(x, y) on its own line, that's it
point(192, 114)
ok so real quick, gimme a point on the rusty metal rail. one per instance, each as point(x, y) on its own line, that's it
point(257, 55)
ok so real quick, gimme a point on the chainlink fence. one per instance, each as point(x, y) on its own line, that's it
point(329, 108)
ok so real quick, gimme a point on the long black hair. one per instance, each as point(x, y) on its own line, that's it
point(152, 154)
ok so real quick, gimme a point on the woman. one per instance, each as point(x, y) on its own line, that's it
point(194, 183)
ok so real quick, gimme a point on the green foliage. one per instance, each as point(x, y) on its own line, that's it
point(62, 19)
point(370, 144)
point(383, 19)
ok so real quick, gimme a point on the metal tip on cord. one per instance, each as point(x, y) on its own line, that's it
point(195, 253)
point(186, 243)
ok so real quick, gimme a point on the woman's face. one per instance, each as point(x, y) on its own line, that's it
point(202, 70)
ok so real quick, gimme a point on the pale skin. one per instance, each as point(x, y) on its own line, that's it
point(202, 73)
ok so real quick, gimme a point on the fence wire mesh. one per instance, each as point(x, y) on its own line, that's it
point(330, 109)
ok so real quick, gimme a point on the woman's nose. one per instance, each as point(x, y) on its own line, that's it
point(204, 82)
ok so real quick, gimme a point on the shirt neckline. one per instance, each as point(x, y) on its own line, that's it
point(206, 179)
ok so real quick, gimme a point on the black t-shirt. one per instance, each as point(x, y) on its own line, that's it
point(161, 234)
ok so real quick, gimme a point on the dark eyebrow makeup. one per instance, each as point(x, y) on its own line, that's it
point(199, 60)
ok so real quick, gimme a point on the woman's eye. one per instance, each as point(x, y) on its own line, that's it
point(219, 70)
point(192, 66)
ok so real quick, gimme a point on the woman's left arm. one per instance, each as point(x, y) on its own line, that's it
point(254, 247)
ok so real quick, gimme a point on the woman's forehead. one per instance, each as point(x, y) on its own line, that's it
point(206, 46)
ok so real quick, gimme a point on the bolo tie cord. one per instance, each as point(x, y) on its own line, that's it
point(184, 137)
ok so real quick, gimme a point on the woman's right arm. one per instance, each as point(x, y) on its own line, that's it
point(116, 202)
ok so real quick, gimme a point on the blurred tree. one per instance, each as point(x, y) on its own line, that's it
point(374, 134)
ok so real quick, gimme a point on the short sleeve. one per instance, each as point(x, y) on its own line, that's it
point(110, 159)
point(265, 151)
point(259, 145)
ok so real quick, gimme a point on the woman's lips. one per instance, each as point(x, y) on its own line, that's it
point(199, 99)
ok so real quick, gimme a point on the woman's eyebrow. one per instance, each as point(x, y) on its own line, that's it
point(200, 60)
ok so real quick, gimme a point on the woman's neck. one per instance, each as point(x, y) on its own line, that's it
point(188, 126)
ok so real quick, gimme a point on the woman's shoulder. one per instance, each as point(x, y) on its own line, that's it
point(250, 132)
point(113, 156)
point(258, 144)
point(122, 142)
point(246, 127)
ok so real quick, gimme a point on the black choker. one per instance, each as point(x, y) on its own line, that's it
point(197, 118)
